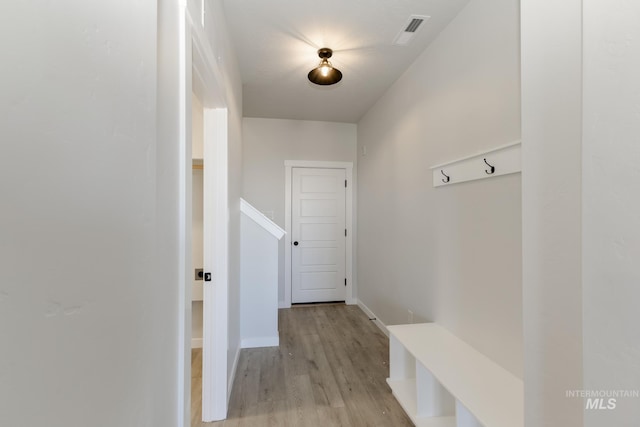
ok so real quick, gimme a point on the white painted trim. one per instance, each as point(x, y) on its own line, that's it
point(287, 237)
point(202, 12)
point(196, 343)
point(350, 298)
point(371, 315)
point(206, 68)
point(184, 220)
point(282, 304)
point(260, 219)
point(349, 220)
point(317, 164)
point(260, 342)
point(471, 156)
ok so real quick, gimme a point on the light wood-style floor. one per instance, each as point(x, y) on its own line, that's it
point(329, 370)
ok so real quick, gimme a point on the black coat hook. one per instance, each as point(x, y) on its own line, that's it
point(489, 171)
point(446, 177)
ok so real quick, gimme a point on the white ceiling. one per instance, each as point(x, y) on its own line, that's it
point(276, 42)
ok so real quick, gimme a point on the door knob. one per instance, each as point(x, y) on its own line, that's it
point(295, 243)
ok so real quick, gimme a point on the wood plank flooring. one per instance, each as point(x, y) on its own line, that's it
point(329, 370)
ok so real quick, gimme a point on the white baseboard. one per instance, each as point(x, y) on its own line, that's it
point(196, 342)
point(261, 342)
point(232, 376)
point(282, 304)
point(374, 318)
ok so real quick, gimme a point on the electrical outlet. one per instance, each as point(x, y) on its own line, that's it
point(410, 317)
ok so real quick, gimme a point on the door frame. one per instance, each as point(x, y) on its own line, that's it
point(199, 73)
point(349, 202)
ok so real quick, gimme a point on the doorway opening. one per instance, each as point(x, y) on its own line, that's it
point(200, 83)
point(197, 257)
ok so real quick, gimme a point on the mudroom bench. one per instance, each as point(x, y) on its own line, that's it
point(441, 381)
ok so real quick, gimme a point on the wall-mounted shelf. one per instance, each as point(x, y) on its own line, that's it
point(197, 164)
point(498, 161)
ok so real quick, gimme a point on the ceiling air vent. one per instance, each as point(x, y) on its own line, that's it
point(410, 29)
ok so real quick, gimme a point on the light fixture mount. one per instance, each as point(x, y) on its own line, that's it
point(325, 52)
point(324, 74)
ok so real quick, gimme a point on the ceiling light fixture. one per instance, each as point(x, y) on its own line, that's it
point(325, 74)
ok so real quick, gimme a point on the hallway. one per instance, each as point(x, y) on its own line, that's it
point(329, 370)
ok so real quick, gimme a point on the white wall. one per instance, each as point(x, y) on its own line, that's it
point(259, 290)
point(452, 254)
point(611, 206)
point(551, 207)
point(90, 122)
point(88, 313)
point(168, 199)
point(580, 156)
point(269, 142)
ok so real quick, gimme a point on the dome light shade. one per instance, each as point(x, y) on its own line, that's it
point(325, 74)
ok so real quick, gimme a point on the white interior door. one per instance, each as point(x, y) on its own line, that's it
point(215, 292)
point(318, 220)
